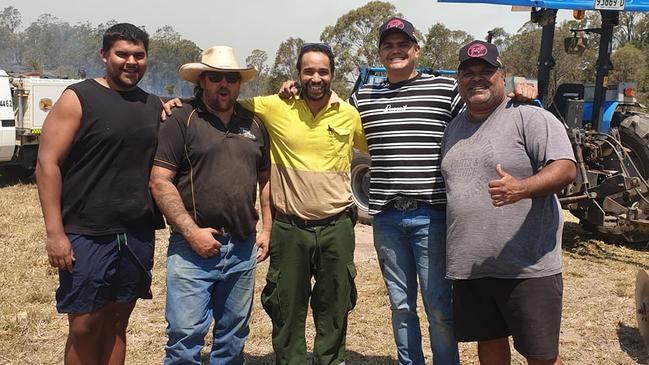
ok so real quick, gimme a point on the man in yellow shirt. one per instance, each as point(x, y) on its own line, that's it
point(313, 226)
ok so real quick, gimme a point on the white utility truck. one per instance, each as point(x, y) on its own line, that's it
point(24, 104)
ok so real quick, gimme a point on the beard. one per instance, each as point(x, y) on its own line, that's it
point(220, 103)
point(316, 92)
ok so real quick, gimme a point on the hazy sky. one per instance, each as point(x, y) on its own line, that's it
point(247, 25)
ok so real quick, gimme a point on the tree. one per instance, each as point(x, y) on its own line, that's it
point(285, 60)
point(354, 39)
point(642, 30)
point(258, 85)
point(167, 52)
point(10, 42)
point(10, 18)
point(45, 41)
point(630, 64)
point(167, 34)
point(498, 36)
point(440, 51)
point(257, 59)
point(522, 52)
point(84, 43)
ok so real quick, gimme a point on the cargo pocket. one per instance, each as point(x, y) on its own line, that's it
point(353, 294)
point(270, 297)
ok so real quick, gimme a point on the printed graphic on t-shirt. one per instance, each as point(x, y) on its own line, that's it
point(470, 159)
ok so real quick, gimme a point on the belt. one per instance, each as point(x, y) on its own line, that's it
point(408, 204)
point(291, 219)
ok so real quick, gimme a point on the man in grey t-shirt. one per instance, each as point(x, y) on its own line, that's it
point(503, 163)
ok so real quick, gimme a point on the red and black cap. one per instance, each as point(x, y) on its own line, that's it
point(397, 25)
point(480, 50)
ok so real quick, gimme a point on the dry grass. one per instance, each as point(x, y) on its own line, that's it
point(598, 326)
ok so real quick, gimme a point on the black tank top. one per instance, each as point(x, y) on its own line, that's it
point(106, 174)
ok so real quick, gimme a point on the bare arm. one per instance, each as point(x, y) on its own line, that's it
point(263, 240)
point(551, 179)
point(59, 129)
point(171, 205)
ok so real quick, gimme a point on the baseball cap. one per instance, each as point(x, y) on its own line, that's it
point(480, 50)
point(397, 25)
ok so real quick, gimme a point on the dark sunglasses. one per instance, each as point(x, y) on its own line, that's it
point(230, 77)
point(319, 46)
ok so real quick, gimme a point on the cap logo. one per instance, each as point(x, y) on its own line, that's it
point(395, 23)
point(476, 50)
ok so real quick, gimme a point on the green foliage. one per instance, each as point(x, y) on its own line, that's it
point(354, 39)
point(10, 18)
point(284, 66)
point(630, 64)
point(45, 40)
point(171, 89)
point(58, 49)
point(522, 50)
point(498, 36)
point(10, 42)
point(440, 50)
point(167, 52)
point(258, 85)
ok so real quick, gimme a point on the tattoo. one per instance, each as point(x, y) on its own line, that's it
point(171, 205)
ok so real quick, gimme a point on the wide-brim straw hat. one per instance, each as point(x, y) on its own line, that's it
point(218, 58)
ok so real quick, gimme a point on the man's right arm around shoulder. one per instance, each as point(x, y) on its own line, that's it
point(166, 195)
point(59, 129)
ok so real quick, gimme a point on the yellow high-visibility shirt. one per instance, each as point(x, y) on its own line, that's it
point(310, 155)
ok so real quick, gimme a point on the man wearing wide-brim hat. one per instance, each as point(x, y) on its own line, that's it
point(212, 153)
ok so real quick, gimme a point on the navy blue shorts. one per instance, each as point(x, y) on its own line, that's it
point(108, 268)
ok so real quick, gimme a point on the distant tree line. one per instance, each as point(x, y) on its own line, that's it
point(52, 46)
point(57, 49)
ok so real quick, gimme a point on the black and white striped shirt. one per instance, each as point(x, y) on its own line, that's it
point(404, 124)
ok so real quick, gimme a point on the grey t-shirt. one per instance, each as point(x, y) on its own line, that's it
point(520, 240)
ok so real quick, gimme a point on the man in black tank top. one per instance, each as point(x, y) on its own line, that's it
point(92, 172)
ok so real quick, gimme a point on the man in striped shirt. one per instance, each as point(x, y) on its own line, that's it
point(404, 119)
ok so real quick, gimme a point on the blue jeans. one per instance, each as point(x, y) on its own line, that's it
point(411, 247)
point(199, 289)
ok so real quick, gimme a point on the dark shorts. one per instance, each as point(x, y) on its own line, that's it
point(109, 268)
point(527, 309)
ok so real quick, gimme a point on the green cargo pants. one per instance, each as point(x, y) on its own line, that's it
point(297, 254)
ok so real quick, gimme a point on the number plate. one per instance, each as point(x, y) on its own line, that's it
point(609, 4)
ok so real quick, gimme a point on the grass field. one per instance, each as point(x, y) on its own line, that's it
point(598, 327)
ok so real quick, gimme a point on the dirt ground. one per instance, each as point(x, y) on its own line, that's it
point(599, 325)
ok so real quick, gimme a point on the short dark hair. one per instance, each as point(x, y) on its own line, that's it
point(124, 32)
point(316, 47)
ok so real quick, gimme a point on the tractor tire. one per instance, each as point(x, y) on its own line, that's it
point(360, 176)
point(634, 133)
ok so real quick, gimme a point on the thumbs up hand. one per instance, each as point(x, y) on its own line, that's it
point(507, 189)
